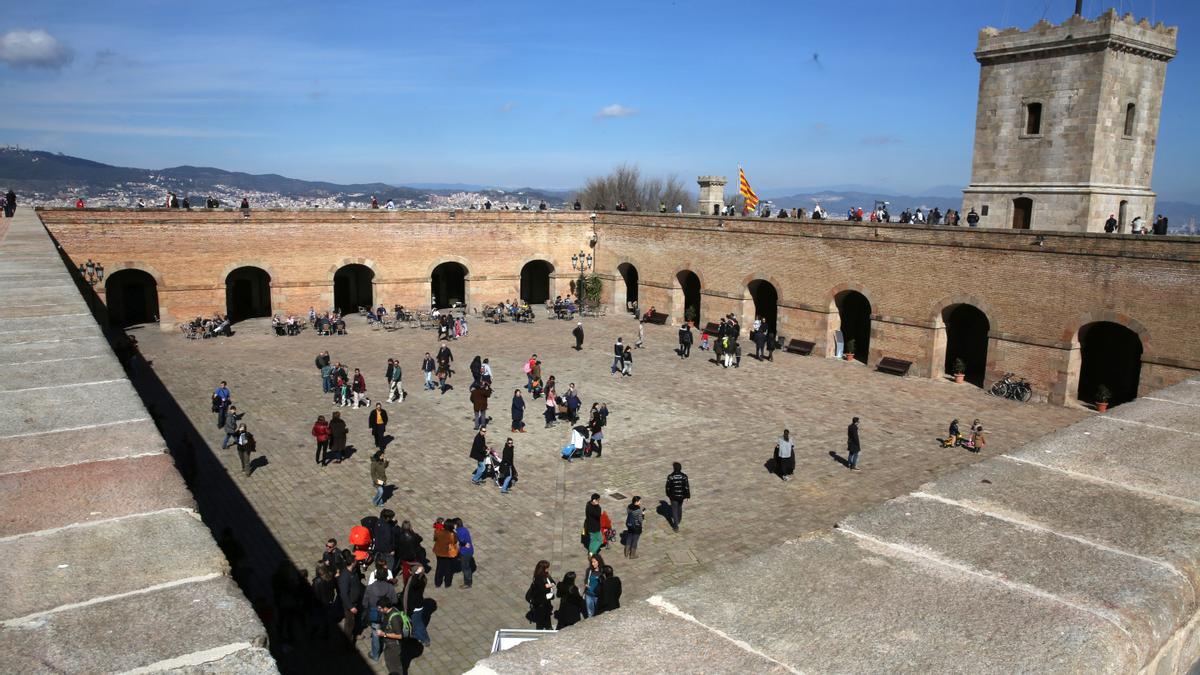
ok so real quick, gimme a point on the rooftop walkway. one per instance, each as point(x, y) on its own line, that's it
point(1080, 552)
point(107, 565)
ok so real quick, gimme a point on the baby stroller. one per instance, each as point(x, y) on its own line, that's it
point(491, 468)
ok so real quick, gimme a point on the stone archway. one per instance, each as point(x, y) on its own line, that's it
point(353, 287)
point(247, 293)
point(448, 285)
point(765, 298)
point(629, 277)
point(854, 320)
point(967, 329)
point(1110, 356)
point(131, 297)
point(535, 281)
point(686, 297)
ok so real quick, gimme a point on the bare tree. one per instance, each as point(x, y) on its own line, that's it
point(625, 185)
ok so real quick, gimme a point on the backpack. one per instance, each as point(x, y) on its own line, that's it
point(405, 622)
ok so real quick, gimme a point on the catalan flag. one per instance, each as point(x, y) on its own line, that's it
point(744, 187)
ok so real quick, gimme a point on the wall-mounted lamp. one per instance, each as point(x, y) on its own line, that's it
point(92, 272)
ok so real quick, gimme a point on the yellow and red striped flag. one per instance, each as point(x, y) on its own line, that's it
point(744, 187)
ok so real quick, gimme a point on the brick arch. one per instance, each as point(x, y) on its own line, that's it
point(366, 262)
point(759, 276)
point(138, 265)
point(542, 257)
point(1071, 332)
point(249, 262)
point(450, 258)
point(935, 319)
point(850, 286)
point(688, 267)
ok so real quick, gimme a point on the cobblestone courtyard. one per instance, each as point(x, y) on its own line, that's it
point(721, 424)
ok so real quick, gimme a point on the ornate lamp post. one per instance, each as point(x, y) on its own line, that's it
point(92, 272)
point(582, 262)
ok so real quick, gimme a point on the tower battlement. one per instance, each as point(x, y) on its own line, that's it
point(1077, 34)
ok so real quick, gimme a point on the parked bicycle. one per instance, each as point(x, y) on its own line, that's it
point(1012, 387)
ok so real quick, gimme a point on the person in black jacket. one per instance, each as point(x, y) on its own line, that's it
point(378, 423)
point(383, 538)
point(678, 489)
point(685, 341)
point(337, 438)
point(518, 412)
point(609, 596)
point(408, 548)
point(540, 595)
point(350, 592)
point(578, 333)
point(591, 524)
point(479, 449)
point(508, 467)
point(570, 605)
point(852, 446)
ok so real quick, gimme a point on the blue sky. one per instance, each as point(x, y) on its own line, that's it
point(801, 93)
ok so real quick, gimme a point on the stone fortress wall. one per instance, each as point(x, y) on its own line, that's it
point(1038, 291)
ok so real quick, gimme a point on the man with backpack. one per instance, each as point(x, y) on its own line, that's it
point(396, 627)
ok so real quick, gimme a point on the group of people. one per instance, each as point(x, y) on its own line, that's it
point(450, 326)
point(1137, 226)
point(517, 311)
point(9, 203)
point(289, 326)
point(210, 327)
point(564, 307)
point(601, 593)
point(974, 440)
point(229, 420)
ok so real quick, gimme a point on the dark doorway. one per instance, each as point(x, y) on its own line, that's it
point(352, 288)
point(855, 312)
point(1110, 356)
point(766, 301)
point(132, 297)
point(1022, 213)
point(247, 293)
point(629, 274)
point(967, 339)
point(448, 285)
point(689, 284)
point(535, 281)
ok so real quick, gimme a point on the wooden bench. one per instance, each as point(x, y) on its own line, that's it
point(657, 318)
point(894, 366)
point(799, 347)
point(713, 329)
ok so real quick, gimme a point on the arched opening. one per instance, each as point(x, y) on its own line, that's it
point(689, 289)
point(1110, 356)
point(854, 311)
point(448, 285)
point(1130, 118)
point(131, 296)
point(247, 293)
point(1022, 213)
point(967, 339)
point(352, 288)
point(535, 281)
point(629, 274)
point(766, 301)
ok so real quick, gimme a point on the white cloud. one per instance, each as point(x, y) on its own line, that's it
point(615, 110)
point(508, 107)
point(34, 49)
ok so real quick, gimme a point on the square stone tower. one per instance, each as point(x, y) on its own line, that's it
point(1067, 123)
point(712, 194)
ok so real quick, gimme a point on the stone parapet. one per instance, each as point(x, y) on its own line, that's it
point(1078, 553)
point(108, 568)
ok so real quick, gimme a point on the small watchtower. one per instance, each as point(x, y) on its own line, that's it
point(712, 195)
point(1067, 122)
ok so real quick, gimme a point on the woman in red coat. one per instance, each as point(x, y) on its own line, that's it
point(320, 431)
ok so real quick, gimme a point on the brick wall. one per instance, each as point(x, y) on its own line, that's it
point(1035, 297)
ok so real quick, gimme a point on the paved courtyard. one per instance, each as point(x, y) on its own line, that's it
point(721, 424)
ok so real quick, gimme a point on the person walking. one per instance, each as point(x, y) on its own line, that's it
point(232, 418)
point(337, 437)
point(641, 333)
point(379, 466)
point(220, 403)
point(322, 362)
point(320, 431)
point(508, 467)
point(852, 445)
point(685, 341)
point(377, 422)
point(395, 624)
point(635, 516)
point(480, 393)
point(627, 362)
point(245, 446)
point(591, 524)
point(618, 353)
point(578, 333)
point(466, 551)
point(518, 412)
point(540, 596)
point(395, 384)
point(427, 367)
point(359, 388)
point(678, 490)
point(479, 452)
point(785, 457)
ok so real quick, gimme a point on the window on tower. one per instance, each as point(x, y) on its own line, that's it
point(1033, 119)
point(1130, 118)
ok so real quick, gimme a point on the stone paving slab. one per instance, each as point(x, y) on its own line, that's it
point(66, 325)
point(1148, 600)
point(846, 608)
point(248, 661)
point(1181, 417)
point(63, 373)
point(59, 496)
point(54, 448)
point(20, 313)
point(603, 645)
point(61, 296)
point(1161, 530)
point(132, 631)
point(37, 353)
point(109, 557)
point(38, 411)
point(1187, 391)
point(1151, 459)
